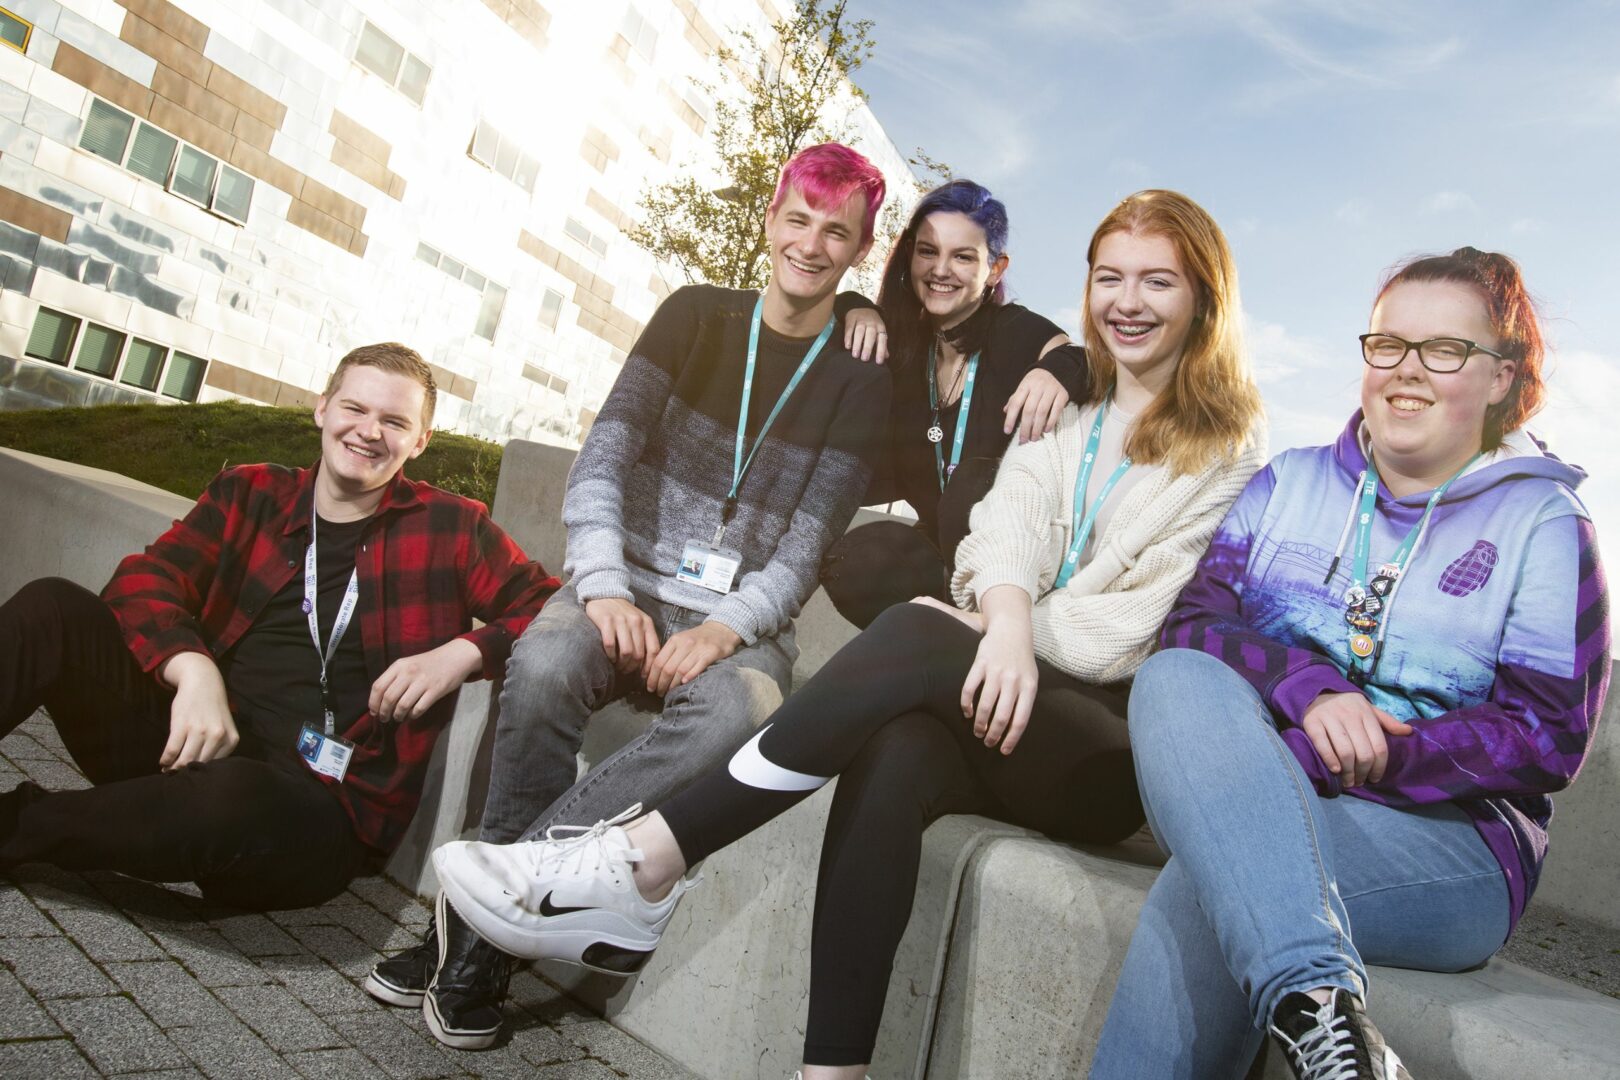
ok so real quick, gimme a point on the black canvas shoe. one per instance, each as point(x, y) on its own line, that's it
point(403, 978)
point(462, 1005)
point(1335, 1041)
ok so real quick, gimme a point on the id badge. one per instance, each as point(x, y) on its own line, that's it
point(707, 566)
point(326, 754)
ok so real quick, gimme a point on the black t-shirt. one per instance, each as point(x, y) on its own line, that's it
point(273, 673)
point(1010, 339)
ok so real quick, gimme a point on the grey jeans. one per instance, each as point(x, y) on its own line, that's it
point(558, 676)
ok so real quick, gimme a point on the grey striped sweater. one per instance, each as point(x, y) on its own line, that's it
point(657, 464)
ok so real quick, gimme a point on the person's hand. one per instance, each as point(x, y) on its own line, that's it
point(1004, 679)
point(865, 336)
point(1349, 735)
point(686, 654)
point(971, 619)
point(628, 635)
point(200, 724)
point(413, 684)
point(1035, 406)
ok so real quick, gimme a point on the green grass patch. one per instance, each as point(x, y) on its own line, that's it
point(181, 447)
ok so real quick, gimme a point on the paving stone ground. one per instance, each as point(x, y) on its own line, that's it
point(101, 975)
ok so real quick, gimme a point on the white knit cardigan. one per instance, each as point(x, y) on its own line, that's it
point(1101, 625)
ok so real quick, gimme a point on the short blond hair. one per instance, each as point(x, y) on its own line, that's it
point(397, 359)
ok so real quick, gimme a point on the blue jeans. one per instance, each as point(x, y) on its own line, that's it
point(558, 676)
point(1271, 888)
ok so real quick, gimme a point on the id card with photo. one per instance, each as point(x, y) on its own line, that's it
point(326, 754)
point(710, 567)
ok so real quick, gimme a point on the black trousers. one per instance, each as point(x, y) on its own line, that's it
point(873, 567)
point(251, 833)
point(884, 716)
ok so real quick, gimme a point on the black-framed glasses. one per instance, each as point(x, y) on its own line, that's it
point(1441, 355)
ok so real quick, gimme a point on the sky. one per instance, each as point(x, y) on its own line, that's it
point(1331, 140)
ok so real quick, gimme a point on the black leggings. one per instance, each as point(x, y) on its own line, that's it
point(873, 567)
point(884, 714)
point(251, 833)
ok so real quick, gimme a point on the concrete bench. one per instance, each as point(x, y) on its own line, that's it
point(1015, 941)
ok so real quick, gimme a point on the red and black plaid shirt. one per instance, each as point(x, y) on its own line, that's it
point(429, 562)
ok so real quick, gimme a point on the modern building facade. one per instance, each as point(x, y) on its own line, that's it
point(216, 199)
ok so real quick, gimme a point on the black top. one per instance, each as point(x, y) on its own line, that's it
point(273, 673)
point(1010, 338)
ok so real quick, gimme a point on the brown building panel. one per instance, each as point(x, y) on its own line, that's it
point(242, 383)
point(180, 121)
point(35, 216)
point(463, 387)
point(171, 20)
point(102, 80)
point(250, 99)
point(310, 219)
point(332, 204)
point(568, 268)
point(169, 83)
point(599, 202)
point(253, 131)
point(293, 397)
point(166, 49)
point(360, 137)
point(350, 160)
point(256, 163)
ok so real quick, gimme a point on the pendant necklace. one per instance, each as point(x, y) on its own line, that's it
point(936, 433)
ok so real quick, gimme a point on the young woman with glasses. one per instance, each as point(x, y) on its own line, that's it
point(1395, 647)
point(1010, 705)
point(971, 370)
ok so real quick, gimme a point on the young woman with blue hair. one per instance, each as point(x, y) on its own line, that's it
point(971, 370)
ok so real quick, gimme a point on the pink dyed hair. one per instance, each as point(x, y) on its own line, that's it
point(827, 175)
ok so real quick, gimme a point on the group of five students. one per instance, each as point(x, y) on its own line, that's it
point(1336, 782)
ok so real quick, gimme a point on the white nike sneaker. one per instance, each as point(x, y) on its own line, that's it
point(567, 897)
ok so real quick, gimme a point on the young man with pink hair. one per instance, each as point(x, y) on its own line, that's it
point(733, 449)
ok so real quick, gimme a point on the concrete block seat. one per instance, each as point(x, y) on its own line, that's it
point(1015, 941)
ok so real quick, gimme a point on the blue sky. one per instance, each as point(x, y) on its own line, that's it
point(1330, 139)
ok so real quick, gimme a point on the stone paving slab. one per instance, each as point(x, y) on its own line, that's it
point(102, 975)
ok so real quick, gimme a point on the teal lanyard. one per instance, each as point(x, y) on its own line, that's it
point(1367, 600)
point(961, 417)
point(1083, 525)
point(739, 463)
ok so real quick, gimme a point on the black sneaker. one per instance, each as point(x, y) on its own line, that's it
point(1335, 1041)
point(462, 1005)
point(403, 978)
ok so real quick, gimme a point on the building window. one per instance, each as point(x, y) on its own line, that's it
point(639, 33)
point(501, 154)
point(52, 337)
point(550, 308)
point(548, 379)
point(15, 31)
point(387, 59)
point(185, 377)
point(579, 232)
point(150, 152)
point(494, 296)
point(143, 364)
point(101, 351)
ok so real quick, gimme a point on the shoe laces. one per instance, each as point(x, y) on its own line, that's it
point(579, 850)
point(1326, 1051)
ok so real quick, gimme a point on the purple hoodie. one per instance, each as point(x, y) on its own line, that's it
point(1496, 643)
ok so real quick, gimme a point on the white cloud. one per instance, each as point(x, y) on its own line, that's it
point(1449, 202)
point(1276, 353)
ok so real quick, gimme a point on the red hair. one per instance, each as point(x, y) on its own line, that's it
point(1500, 284)
point(827, 175)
